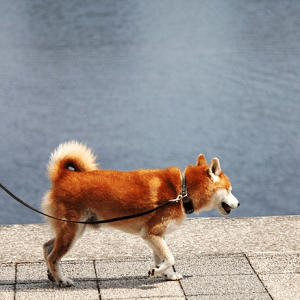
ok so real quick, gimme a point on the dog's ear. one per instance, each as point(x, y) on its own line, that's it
point(201, 161)
point(214, 169)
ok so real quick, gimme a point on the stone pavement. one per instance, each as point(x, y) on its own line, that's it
point(219, 258)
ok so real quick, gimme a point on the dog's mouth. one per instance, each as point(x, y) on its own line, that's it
point(226, 207)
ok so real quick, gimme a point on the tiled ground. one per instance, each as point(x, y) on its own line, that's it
point(279, 274)
point(209, 277)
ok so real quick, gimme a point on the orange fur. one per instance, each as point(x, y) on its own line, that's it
point(88, 192)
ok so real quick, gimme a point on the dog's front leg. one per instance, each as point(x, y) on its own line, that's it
point(169, 274)
point(163, 258)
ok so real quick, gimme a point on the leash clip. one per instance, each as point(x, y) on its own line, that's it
point(179, 198)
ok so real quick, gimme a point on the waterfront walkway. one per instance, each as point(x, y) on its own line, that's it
point(219, 258)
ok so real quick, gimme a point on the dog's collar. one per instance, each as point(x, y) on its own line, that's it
point(187, 203)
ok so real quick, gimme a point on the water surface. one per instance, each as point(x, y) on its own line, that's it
point(150, 84)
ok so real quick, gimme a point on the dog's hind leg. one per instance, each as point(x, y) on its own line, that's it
point(48, 247)
point(163, 258)
point(60, 246)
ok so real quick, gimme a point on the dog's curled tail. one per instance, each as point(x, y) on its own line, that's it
point(72, 155)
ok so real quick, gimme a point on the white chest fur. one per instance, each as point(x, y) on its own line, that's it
point(173, 225)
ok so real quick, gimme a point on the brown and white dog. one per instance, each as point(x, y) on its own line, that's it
point(80, 192)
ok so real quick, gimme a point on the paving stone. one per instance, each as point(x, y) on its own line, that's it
point(7, 273)
point(38, 287)
point(125, 269)
point(37, 272)
point(7, 292)
point(252, 296)
point(214, 265)
point(282, 286)
point(79, 270)
point(160, 298)
point(275, 263)
point(218, 285)
point(32, 272)
point(48, 291)
point(135, 288)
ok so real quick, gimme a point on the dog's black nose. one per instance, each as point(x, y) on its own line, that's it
point(239, 204)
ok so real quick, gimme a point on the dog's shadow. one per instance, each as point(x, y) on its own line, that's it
point(128, 282)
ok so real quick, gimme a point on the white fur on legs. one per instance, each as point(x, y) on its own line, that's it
point(57, 276)
point(171, 275)
point(168, 274)
point(64, 281)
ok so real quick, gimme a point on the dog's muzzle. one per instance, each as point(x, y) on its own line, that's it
point(228, 208)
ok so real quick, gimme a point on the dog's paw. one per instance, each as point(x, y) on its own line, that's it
point(153, 272)
point(50, 276)
point(65, 282)
point(172, 276)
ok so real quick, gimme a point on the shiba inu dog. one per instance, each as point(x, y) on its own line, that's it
point(82, 192)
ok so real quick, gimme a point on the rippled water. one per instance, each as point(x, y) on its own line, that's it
point(149, 84)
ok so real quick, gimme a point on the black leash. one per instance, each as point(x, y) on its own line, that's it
point(188, 205)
